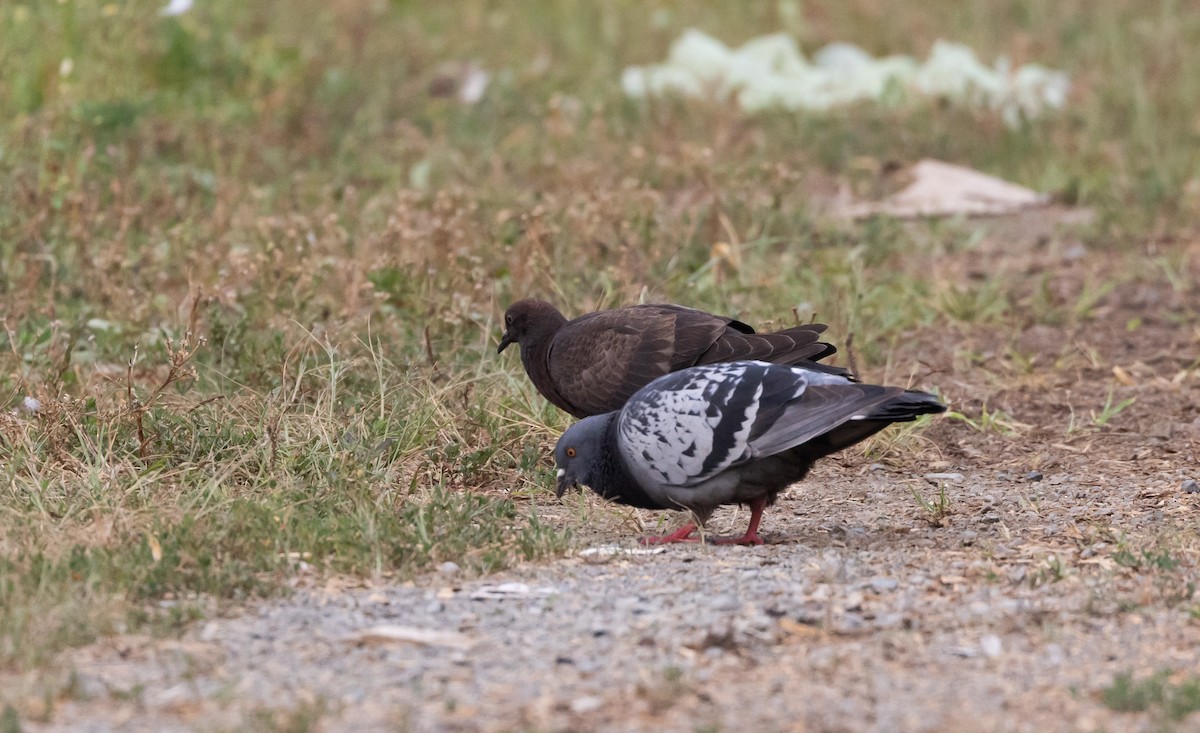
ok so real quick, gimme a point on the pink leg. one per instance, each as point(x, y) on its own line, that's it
point(683, 534)
point(751, 537)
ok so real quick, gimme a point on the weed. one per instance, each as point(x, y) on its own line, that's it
point(995, 422)
point(1171, 696)
point(978, 304)
point(301, 719)
point(937, 510)
point(10, 721)
point(663, 692)
point(1155, 559)
point(1111, 410)
point(904, 439)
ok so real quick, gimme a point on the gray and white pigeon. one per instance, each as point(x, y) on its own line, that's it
point(593, 364)
point(734, 433)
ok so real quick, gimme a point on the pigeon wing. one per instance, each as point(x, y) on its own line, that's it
point(704, 338)
point(696, 333)
point(686, 428)
point(789, 346)
point(598, 361)
point(825, 402)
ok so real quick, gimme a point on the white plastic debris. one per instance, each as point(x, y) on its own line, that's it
point(509, 590)
point(610, 550)
point(411, 635)
point(771, 72)
point(473, 85)
point(942, 189)
point(176, 7)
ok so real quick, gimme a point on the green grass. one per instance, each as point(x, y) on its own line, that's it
point(276, 179)
point(936, 508)
point(1167, 696)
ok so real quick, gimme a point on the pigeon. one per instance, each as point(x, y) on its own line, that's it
point(731, 433)
point(593, 364)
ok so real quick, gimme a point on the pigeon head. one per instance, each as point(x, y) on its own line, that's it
point(527, 320)
point(578, 452)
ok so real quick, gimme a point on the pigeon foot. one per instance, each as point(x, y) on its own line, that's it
point(683, 534)
point(751, 537)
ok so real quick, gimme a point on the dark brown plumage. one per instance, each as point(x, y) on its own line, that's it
point(593, 364)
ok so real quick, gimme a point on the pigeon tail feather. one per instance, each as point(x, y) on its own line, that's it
point(906, 407)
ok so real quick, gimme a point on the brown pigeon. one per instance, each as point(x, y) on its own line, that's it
point(593, 364)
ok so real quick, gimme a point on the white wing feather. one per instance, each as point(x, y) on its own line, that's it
point(668, 431)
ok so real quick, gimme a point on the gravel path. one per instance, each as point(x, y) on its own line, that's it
point(1002, 617)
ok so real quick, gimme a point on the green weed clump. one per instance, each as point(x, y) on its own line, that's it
point(1160, 693)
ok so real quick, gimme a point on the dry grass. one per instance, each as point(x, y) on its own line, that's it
point(252, 267)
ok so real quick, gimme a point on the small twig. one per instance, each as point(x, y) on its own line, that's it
point(851, 357)
point(180, 368)
point(812, 318)
point(194, 314)
point(273, 439)
point(136, 407)
point(429, 349)
point(202, 403)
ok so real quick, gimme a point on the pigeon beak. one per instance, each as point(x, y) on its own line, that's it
point(505, 340)
point(565, 483)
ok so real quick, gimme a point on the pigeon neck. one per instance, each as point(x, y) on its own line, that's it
point(535, 354)
point(612, 478)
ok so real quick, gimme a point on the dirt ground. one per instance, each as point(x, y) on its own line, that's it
point(1066, 552)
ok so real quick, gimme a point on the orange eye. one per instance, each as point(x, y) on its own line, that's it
point(570, 452)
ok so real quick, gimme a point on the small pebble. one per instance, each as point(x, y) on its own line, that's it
point(990, 518)
point(1191, 487)
point(1033, 476)
point(968, 536)
point(882, 585)
point(587, 704)
point(991, 646)
point(726, 602)
point(448, 568)
point(878, 467)
point(943, 477)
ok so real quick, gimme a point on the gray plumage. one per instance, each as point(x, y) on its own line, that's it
point(728, 433)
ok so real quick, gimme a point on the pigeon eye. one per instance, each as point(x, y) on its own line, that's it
point(508, 320)
point(570, 452)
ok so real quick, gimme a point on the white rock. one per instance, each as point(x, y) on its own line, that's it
point(991, 646)
point(586, 704)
